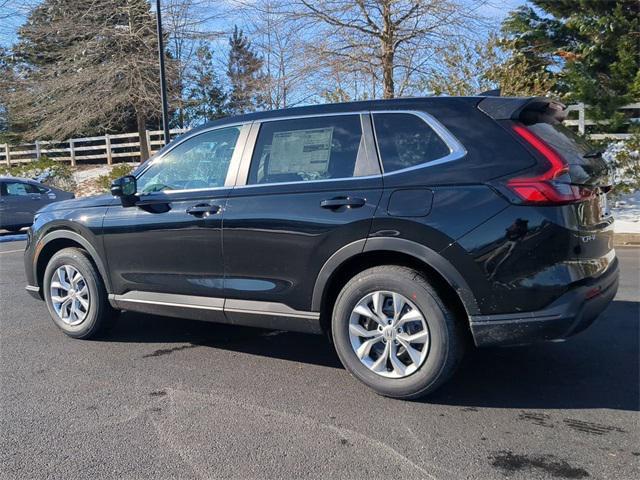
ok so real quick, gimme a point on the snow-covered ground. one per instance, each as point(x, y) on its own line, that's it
point(86, 179)
point(626, 211)
point(90, 173)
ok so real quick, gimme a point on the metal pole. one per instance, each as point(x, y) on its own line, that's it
point(163, 80)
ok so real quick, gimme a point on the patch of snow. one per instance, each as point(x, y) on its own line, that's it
point(87, 174)
point(626, 211)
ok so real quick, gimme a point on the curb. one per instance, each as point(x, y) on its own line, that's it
point(626, 239)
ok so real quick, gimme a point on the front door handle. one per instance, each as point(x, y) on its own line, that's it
point(203, 209)
point(349, 202)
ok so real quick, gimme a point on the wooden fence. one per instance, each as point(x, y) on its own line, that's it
point(126, 146)
point(582, 122)
point(106, 148)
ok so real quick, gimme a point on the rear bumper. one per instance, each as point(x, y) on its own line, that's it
point(571, 313)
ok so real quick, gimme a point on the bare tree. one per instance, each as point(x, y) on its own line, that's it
point(87, 65)
point(277, 37)
point(392, 40)
point(188, 23)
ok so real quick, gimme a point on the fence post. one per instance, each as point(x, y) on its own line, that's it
point(37, 149)
point(7, 155)
point(107, 141)
point(149, 147)
point(73, 153)
point(581, 126)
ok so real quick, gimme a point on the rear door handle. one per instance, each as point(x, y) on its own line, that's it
point(350, 202)
point(202, 209)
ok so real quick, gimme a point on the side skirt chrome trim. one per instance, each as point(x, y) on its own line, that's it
point(167, 299)
point(250, 313)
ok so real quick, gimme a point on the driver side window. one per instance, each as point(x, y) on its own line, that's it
point(199, 162)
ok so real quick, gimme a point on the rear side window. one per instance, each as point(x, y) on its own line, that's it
point(308, 149)
point(405, 140)
point(18, 189)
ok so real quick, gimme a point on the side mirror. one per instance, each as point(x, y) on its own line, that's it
point(125, 188)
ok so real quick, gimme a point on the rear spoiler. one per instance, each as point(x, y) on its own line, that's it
point(524, 109)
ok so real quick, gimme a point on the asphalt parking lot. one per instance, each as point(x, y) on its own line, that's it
point(166, 398)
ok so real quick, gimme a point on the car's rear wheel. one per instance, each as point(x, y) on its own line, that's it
point(394, 333)
point(75, 294)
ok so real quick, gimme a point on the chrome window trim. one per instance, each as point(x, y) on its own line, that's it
point(456, 149)
point(234, 164)
point(238, 172)
point(243, 175)
point(312, 115)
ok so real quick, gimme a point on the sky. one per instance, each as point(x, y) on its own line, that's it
point(13, 14)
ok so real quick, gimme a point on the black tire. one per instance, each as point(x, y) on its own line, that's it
point(100, 314)
point(447, 339)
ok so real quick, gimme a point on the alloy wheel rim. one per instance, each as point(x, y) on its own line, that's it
point(389, 334)
point(69, 295)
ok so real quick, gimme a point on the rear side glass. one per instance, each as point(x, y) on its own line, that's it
point(308, 149)
point(405, 140)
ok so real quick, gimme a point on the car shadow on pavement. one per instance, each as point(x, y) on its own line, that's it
point(595, 369)
point(297, 347)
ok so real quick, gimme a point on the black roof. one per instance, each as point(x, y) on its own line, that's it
point(396, 103)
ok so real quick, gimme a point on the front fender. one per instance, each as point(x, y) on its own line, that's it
point(54, 230)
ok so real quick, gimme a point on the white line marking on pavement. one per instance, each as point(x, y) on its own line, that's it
point(11, 251)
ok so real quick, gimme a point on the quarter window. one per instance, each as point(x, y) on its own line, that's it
point(197, 163)
point(307, 149)
point(405, 140)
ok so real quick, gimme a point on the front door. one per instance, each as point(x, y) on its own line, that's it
point(170, 242)
point(313, 186)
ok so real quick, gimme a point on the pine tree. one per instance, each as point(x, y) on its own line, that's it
point(87, 66)
point(590, 46)
point(244, 72)
point(206, 99)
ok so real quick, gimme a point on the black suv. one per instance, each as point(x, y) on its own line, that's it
point(401, 228)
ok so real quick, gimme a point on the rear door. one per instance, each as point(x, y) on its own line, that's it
point(310, 187)
point(40, 195)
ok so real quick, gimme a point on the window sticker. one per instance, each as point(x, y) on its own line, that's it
point(301, 151)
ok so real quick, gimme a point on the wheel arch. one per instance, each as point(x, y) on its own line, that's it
point(360, 255)
point(57, 240)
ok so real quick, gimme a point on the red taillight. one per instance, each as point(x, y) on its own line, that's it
point(545, 188)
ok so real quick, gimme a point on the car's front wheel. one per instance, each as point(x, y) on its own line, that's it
point(393, 332)
point(75, 294)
